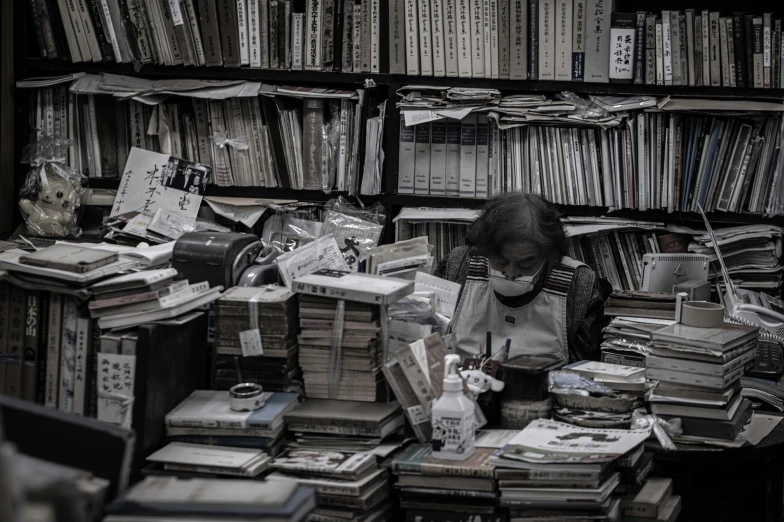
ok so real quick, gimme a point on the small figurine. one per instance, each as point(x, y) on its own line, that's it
point(479, 382)
point(52, 213)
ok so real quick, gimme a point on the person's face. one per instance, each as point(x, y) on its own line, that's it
point(517, 260)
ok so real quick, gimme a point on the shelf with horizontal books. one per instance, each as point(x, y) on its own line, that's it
point(39, 67)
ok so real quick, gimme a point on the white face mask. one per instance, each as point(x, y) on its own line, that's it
point(512, 287)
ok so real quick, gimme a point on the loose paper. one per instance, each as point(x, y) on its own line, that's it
point(151, 181)
point(416, 415)
point(446, 292)
point(251, 343)
point(320, 254)
point(138, 225)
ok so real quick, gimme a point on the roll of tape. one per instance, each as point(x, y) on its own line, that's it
point(247, 396)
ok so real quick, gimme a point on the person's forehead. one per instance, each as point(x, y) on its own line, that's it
point(519, 250)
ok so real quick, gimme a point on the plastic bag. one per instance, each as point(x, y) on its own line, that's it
point(584, 109)
point(288, 231)
point(414, 311)
point(663, 429)
point(568, 382)
point(331, 142)
point(374, 213)
point(355, 236)
point(52, 192)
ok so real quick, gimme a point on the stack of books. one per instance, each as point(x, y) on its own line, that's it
point(428, 486)
point(626, 340)
point(272, 362)
point(652, 501)
point(142, 297)
point(552, 469)
point(206, 418)
point(348, 486)
point(343, 425)
point(698, 372)
point(635, 303)
point(198, 460)
point(352, 370)
point(219, 499)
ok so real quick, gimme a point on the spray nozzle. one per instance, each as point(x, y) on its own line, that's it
point(450, 362)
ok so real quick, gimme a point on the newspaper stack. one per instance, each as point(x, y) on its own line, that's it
point(752, 254)
point(348, 485)
point(272, 361)
point(558, 470)
point(698, 372)
point(437, 489)
point(361, 351)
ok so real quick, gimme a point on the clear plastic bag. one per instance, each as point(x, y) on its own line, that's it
point(568, 382)
point(414, 311)
point(374, 213)
point(355, 236)
point(288, 231)
point(585, 109)
point(662, 429)
point(52, 193)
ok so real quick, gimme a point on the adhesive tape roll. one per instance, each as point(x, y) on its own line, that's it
point(702, 314)
point(247, 396)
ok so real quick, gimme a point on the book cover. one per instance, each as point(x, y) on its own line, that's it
point(622, 49)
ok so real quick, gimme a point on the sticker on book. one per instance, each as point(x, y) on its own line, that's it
point(151, 181)
point(250, 340)
point(116, 375)
point(416, 415)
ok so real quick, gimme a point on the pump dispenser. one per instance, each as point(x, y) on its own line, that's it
point(453, 417)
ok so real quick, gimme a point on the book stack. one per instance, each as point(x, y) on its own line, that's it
point(561, 471)
point(348, 485)
point(627, 340)
point(222, 499)
point(698, 372)
point(272, 312)
point(205, 418)
point(653, 500)
point(351, 371)
point(645, 305)
point(141, 297)
point(629, 380)
point(634, 468)
point(343, 425)
point(430, 487)
point(338, 35)
point(200, 460)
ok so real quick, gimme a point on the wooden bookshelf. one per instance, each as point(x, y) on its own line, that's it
point(387, 85)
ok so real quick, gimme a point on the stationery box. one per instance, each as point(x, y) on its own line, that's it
point(217, 257)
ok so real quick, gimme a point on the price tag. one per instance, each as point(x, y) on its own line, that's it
point(416, 415)
point(251, 343)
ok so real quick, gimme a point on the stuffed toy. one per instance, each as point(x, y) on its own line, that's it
point(479, 382)
point(53, 212)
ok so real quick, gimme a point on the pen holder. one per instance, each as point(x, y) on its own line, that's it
point(247, 396)
point(525, 396)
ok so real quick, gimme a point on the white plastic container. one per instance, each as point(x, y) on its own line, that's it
point(454, 427)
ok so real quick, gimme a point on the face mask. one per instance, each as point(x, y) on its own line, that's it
point(512, 287)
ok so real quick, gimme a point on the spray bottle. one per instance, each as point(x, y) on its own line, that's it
point(453, 417)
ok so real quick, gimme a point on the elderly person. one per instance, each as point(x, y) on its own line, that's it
point(518, 284)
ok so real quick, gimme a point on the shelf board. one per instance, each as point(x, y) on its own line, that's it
point(408, 200)
point(38, 67)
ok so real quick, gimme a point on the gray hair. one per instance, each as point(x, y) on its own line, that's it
point(515, 217)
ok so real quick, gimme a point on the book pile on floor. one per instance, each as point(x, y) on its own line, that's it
point(552, 469)
point(329, 298)
point(272, 362)
point(218, 499)
point(428, 487)
point(205, 422)
point(698, 372)
point(627, 340)
point(349, 486)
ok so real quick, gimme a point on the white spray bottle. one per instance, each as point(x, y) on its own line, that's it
point(453, 417)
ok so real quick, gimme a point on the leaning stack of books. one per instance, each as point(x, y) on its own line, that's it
point(351, 369)
point(430, 487)
point(272, 361)
point(626, 340)
point(171, 498)
point(552, 469)
point(698, 372)
point(349, 486)
point(206, 418)
point(188, 460)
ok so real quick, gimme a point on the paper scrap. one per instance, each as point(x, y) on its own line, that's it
point(321, 253)
point(446, 292)
point(250, 340)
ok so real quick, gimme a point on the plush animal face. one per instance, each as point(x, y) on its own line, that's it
point(51, 214)
point(479, 382)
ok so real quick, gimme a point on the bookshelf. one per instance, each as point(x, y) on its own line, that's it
point(387, 85)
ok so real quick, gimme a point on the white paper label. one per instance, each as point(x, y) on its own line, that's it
point(251, 343)
point(416, 415)
point(176, 12)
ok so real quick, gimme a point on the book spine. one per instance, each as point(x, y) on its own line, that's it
point(411, 23)
point(272, 35)
point(438, 158)
point(82, 381)
point(546, 40)
point(348, 39)
point(31, 342)
point(68, 354)
point(70, 31)
point(714, 49)
point(477, 39)
point(622, 35)
point(518, 43)
point(38, 28)
point(173, 34)
point(669, 77)
point(698, 50)
point(111, 35)
point(639, 54)
point(597, 50)
point(690, 47)
point(15, 347)
point(254, 34)
point(487, 20)
point(533, 39)
point(264, 33)
point(683, 60)
point(453, 158)
point(88, 30)
point(482, 156)
point(199, 58)
point(659, 52)
point(328, 36)
point(406, 159)
point(731, 51)
point(365, 45)
point(503, 23)
point(724, 53)
point(313, 31)
point(758, 53)
point(357, 39)
point(468, 156)
point(297, 27)
point(563, 40)
point(425, 41)
point(650, 49)
point(181, 30)
point(437, 38)
point(775, 74)
point(397, 41)
point(767, 22)
point(422, 158)
point(375, 36)
point(463, 39)
point(96, 17)
point(739, 41)
point(229, 31)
